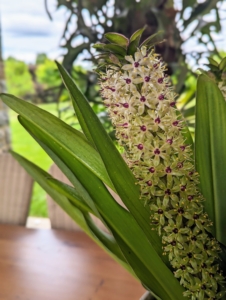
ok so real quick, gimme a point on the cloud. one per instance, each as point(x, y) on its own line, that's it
point(27, 30)
point(28, 25)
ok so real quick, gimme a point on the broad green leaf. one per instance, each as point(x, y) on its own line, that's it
point(99, 46)
point(222, 64)
point(151, 39)
point(137, 34)
point(59, 133)
point(210, 151)
point(114, 48)
point(213, 62)
point(118, 171)
point(117, 38)
point(103, 239)
point(134, 41)
point(133, 47)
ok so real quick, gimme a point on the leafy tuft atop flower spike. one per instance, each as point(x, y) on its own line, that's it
point(141, 103)
point(217, 72)
point(120, 46)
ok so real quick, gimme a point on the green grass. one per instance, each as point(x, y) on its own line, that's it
point(25, 145)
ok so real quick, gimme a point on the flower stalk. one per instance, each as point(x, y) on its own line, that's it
point(141, 103)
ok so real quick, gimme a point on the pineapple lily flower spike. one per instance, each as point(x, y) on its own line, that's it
point(141, 104)
point(167, 239)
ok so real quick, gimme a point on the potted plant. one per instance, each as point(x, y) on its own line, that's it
point(171, 236)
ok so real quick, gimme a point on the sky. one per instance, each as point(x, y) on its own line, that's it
point(27, 29)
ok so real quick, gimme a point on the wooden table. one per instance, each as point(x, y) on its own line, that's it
point(59, 265)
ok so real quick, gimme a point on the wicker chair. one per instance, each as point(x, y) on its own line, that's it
point(59, 219)
point(15, 191)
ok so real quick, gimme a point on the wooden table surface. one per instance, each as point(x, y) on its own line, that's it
point(59, 265)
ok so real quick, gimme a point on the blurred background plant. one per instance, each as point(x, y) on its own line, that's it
point(183, 23)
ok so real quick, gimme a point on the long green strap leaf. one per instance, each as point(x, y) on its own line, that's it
point(210, 152)
point(71, 194)
point(121, 221)
point(118, 171)
point(83, 220)
point(60, 134)
point(132, 241)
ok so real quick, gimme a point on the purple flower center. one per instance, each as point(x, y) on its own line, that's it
point(183, 267)
point(182, 148)
point(190, 173)
point(155, 66)
point(161, 97)
point(112, 89)
point(175, 230)
point(147, 78)
point(160, 211)
point(140, 147)
point(190, 197)
point(126, 105)
point(160, 80)
point(142, 99)
point(173, 243)
point(203, 287)
point(157, 120)
point(136, 64)
point(183, 188)
point(175, 123)
point(195, 217)
point(169, 141)
point(168, 170)
point(157, 151)
point(168, 192)
point(180, 165)
point(124, 136)
point(128, 80)
point(172, 104)
point(125, 125)
point(152, 170)
point(180, 210)
point(149, 183)
point(143, 128)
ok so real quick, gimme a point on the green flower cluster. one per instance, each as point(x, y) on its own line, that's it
point(141, 104)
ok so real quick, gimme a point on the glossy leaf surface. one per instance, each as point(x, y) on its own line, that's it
point(210, 151)
point(118, 171)
point(117, 38)
point(59, 133)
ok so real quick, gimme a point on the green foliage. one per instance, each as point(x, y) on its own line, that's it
point(46, 73)
point(210, 149)
point(18, 78)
